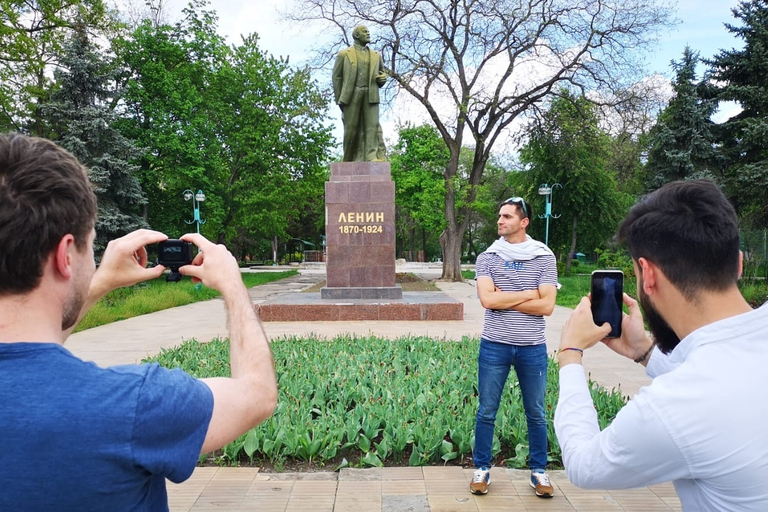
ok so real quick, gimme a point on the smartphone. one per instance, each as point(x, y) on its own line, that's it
point(607, 299)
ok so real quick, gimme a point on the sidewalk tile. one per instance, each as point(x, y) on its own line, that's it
point(452, 503)
point(404, 503)
point(498, 502)
point(403, 488)
point(402, 473)
point(453, 473)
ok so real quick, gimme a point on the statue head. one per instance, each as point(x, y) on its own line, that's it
point(361, 35)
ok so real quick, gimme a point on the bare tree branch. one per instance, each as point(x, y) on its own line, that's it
point(477, 65)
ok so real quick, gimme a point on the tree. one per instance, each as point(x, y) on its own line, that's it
point(168, 70)
point(32, 34)
point(82, 121)
point(681, 145)
point(476, 66)
point(567, 147)
point(269, 118)
point(231, 120)
point(417, 162)
point(743, 138)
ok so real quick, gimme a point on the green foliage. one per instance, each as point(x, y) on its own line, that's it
point(567, 146)
point(618, 259)
point(33, 34)
point(82, 120)
point(494, 187)
point(233, 121)
point(681, 144)
point(418, 160)
point(158, 294)
point(377, 401)
point(742, 76)
point(755, 292)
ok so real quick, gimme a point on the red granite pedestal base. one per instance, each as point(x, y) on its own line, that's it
point(310, 307)
point(360, 232)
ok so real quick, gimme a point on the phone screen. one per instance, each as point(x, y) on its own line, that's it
point(607, 291)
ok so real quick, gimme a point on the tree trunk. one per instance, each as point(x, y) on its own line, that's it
point(453, 235)
point(471, 250)
point(424, 243)
point(573, 245)
point(450, 242)
point(411, 249)
point(274, 249)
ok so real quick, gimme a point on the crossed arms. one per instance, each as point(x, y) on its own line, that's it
point(540, 301)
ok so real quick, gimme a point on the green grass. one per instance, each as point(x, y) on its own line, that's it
point(574, 287)
point(369, 401)
point(158, 294)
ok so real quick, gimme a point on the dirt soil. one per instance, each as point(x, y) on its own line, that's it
point(409, 282)
point(298, 466)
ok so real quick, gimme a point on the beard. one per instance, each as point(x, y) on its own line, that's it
point(74, 304)
point(663, 335)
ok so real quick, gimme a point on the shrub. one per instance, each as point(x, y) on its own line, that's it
point(616, 259)
point(754, 292)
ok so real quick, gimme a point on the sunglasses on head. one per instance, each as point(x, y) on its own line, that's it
point(518, 201)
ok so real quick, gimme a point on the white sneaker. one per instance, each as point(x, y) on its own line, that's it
point(540, 482)
point(480, 481)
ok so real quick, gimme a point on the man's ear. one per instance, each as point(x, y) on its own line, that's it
point(63, 256)
point(741, 263)
point(649, 274)
point(525, 222)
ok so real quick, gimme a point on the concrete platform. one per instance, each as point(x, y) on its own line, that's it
point(310, 307)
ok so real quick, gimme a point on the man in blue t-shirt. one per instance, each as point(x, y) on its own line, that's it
point(517, 285)
point(75, 436)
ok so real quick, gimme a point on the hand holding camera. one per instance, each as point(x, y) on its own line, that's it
point(214, 266)
point(124, 263)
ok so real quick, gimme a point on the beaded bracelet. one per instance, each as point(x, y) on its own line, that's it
point(644, 356)
point(571, 348)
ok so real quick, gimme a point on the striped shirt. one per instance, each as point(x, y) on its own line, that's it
point(507, 325)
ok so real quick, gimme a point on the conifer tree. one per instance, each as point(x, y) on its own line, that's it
point(681, 144)
point(743, 138)
point(81, 115)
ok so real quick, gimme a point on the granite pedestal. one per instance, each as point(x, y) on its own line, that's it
point(360, 232)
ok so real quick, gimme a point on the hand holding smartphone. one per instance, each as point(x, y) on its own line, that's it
point(607, 299)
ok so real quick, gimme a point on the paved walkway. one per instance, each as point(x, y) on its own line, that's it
point(429, 489)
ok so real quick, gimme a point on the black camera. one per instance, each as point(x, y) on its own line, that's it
point(174, 254)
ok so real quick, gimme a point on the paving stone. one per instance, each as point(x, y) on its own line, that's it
point(404, 504)
point(360, 474)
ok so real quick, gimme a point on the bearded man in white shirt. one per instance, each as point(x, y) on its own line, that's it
point(701, 423)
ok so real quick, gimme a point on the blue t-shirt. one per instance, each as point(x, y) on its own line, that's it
point(74, 436)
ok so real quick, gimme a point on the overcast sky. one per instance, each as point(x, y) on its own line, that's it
point(701, 28)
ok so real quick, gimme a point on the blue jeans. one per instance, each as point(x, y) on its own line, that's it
point(494, 363)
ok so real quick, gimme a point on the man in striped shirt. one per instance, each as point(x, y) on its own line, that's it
point(517, 285)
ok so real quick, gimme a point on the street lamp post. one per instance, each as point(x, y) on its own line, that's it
point(547, 191)
point(196, 200)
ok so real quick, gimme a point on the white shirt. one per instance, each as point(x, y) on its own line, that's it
point(702, 422)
